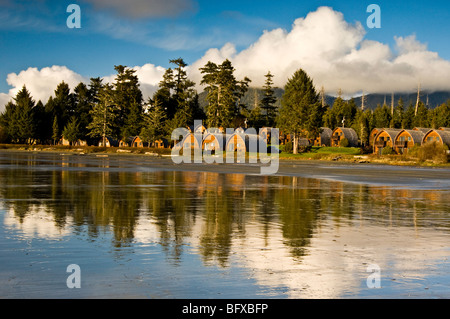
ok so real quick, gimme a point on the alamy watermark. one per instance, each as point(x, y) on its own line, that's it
point(203, 145)
point(74, 19)
point(374, 20)
point(374, 279)
point(74, 279)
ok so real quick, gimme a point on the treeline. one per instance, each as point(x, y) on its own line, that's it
point(119, 110)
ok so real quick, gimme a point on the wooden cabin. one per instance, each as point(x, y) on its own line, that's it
point(109, 142)
point(439, 136)
point(65, 142)
point(241, 142)
point(407, 139)
point(161, 143)
point(236, 143)
point(213, 142)
point(385, 138)
point(126, 142)
point(138, 142)
point(324, 138)
point(191, 142)
point(373, 134)
point(343, 132)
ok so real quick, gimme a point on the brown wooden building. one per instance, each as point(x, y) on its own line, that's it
point(324, 138)
point(407, 139)
point(385, 138)
point(439, 136)
point(343, 132)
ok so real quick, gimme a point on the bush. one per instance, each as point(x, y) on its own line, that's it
point(344, 142)
point(433, 152)
point(387, 151)
point(289, 147)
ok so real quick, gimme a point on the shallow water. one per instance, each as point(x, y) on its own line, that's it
point(144, 228)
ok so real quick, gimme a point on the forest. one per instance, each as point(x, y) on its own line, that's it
point(118, 110)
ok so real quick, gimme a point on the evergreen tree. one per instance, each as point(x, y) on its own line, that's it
point(62, 105)
point(268, 101)
point(103, 115)
point(40, 122)
point(126, 96)
point(72, 131)
point(83, 106)
point(133, 123)
point(298, 103)
point(382, 116)
point(408, 117)
point(18, 118)
point(55, 130)
point(223, 93)
point(397, 118)
point(154, 123)
point(421, 119)
point(441, 116)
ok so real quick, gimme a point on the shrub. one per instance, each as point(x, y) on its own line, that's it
point(344, 142)
point(434, 152)
point(387, 151)
point(289, 147)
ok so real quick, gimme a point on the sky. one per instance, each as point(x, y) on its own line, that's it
point(330, 40)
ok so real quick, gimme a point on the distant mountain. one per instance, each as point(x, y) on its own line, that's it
point(435, 99)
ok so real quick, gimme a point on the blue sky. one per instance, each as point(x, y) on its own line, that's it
point(139, 32)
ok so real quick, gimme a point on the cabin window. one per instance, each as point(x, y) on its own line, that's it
point(437, 139)
point(238, 145)
point(430, 139)
point(402, 138)
point(409, 138)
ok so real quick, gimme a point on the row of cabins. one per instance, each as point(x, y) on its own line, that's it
point(401, 140)
point(327, 137)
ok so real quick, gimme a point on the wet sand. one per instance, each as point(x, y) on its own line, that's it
point(410, 177)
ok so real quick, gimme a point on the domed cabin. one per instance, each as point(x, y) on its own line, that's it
point(438, 136)
point(109, 142)
point(126, 142)
point(236, 143)
point(373, 134)
point(342, 132)
point(407, 139)
point(213, 142)
point(242, 142)
point(138, 142)
point(161, 143)
point(385, 138)
point(191, 142)
point(324, 138)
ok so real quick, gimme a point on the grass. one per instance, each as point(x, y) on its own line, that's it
point(324, 153)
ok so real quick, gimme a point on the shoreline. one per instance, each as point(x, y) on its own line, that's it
point(373, 174)
point(370, 159)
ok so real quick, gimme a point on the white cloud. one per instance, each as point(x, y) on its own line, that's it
point(336, 55)
point(40, 83)
point(332, 51)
